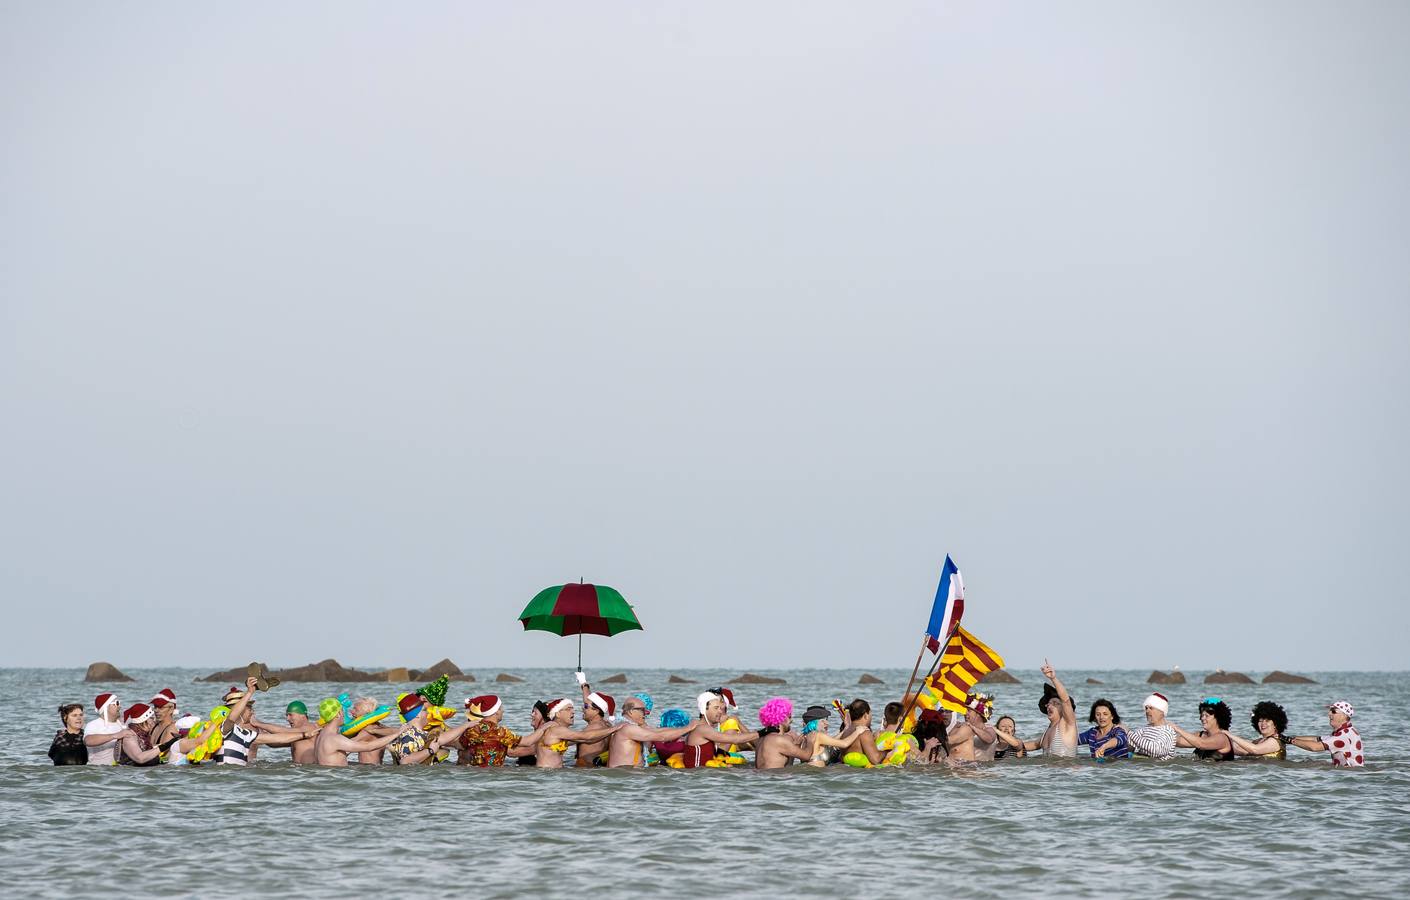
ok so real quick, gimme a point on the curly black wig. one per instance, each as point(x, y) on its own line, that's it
point(1220, 710)
point(1267, 709)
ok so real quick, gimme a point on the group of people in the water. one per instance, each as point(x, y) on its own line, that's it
point(419, 730)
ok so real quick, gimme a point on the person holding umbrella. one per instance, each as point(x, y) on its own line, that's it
point(559, 733)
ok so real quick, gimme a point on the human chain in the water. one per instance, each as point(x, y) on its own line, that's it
point(418, 730)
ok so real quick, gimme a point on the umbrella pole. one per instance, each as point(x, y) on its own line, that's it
point(580, 651)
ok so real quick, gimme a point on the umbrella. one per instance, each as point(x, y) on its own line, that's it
point(579, 609)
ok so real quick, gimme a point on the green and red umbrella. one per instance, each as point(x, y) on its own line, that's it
point(568, 609)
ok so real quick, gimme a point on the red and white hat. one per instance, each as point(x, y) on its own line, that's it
point(557, 706)
point(138, 713)
point(164, 697)
point(101, 701)
point(603, 702)
point(1343, 707)
point(483, 706)
point(724, 695)
point(1158, 701)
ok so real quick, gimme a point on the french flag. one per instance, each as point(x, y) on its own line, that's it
point(949, 606)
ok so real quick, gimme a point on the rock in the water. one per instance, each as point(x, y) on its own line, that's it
point(506, 678)
point(999, 676)
point(869, 678)
point(1095, 681)
point(107, 672)
point(619, 678)
point(1219, 676)
point(399, 675)
point(676, 679)
point(1158, 677)
point(444, 667)
point(1280, 677)
point(751, 678)
point(327, 670)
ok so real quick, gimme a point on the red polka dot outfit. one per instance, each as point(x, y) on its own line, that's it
point(1345, 744)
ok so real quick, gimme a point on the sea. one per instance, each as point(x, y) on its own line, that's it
point(1033, 827)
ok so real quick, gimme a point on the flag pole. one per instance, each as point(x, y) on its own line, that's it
point(911, 705)
point(924, 640)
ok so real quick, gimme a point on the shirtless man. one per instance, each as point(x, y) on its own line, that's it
point(778, 749)
point(330, 748)
point(558, 733)
point(974, 739)
point(626, 747)
point(597, 714)
point(301, 751)
point(705, 739)
point(363, 706)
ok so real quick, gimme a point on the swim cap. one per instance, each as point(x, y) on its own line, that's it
point(1343, 707)
point(297, 707)
point(328, 710)
point(645, 700)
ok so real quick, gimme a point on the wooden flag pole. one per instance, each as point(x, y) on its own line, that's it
point(909, 706)
point(924, 642)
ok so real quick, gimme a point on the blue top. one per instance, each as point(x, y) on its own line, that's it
point(1122, 750)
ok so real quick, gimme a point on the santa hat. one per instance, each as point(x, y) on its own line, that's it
point(725, 695)
point(137, 713)
point(603, 702)
point(164, 697)
point(556, 706)
point(409, 705)
point(483, 706)
point(1158, 701)
point(101, 702)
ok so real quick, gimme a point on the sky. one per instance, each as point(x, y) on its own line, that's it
point(342, 329)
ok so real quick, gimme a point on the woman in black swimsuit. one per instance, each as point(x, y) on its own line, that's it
point(1214, 741)
point(68, 748)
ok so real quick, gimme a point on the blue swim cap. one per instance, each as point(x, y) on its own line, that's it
point(646, 700)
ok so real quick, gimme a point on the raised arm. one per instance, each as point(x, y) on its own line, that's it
point(239, 706)
point(1068, 714)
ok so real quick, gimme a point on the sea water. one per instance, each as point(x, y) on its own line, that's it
point(1024, 827)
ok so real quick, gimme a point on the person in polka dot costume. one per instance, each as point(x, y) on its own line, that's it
point(1344, 742)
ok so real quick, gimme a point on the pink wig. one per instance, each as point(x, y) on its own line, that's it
point(775, 711)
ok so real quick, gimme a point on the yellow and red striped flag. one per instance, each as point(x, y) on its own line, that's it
point(966, 660)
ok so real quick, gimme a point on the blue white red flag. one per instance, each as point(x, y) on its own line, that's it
point(949, 606)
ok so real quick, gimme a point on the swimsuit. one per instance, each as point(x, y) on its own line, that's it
point(1059, 747)
point(68, 750)
point(1216, 754)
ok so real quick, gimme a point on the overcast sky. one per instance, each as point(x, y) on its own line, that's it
point(341, 329)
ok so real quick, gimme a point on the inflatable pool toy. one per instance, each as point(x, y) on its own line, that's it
point(438, 717)
point(362, 722)
point(732, 756)
point(897, 747)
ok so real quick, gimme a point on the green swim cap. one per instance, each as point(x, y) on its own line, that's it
point(328, 710)
point(297, 707)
